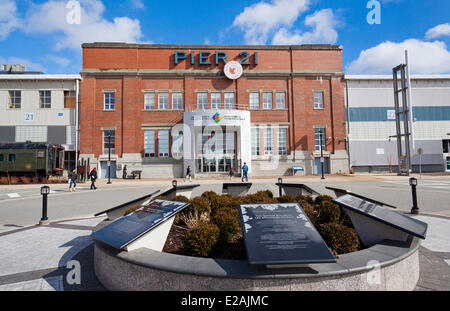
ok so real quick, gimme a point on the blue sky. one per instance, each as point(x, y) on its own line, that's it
point(46, 34)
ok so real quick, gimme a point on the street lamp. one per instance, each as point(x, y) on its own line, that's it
point(322, 160)
point(109, 157)
point(45, 191)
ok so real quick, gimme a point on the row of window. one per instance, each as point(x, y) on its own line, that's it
point(268, 141)
point(204, 101)
point(45, 99)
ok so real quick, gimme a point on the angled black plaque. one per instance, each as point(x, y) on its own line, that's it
point(131, 227)
point(341, 192)
point(277, 234)
point(297, 189)
point(388, 217)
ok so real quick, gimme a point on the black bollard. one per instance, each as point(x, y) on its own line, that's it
point(280, 181)
point(415, 208)
point(174, 183)
point(44, 192)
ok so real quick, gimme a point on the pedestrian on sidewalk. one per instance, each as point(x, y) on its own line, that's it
point(73, 181)
point(231, 172)
point(124, 175)
point(188, 174)
point(93, 175)
point(245, 172)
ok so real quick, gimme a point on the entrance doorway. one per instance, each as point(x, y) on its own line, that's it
point(104, 167)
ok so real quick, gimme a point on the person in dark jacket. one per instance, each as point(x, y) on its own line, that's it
point(73, 181)
point(93, 176)
point(124, 175)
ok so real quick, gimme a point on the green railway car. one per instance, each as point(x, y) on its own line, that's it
point(31, 159)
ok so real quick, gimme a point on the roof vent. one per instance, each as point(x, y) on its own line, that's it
point(13, 68)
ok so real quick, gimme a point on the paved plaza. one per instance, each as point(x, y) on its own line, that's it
point(37, 258)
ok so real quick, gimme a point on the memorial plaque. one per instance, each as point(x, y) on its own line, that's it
point(388, 217)
point(281, 234)
point(131, 227)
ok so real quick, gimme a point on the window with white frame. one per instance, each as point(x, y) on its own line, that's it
point(177, 144)
point(281, 100)
point(109, 141)
point(163, 143)
point(268, 141)
point(318, 100)
point(163, 101)
point(216, 100)
point(229, 100)
point(255, 141)
point(320, 136)
point(177, 101)
point(267, 101)
point(202, 100)
point(282, 141)
point(45, 99)
point(254, 100)
point(15, 99)
point(149, 101)
point(110, 100)
point(149, 144)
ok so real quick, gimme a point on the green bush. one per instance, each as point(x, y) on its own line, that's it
point(266, 193)
point(311, 212)
point(321, 198)
point(329, 212)
point(200, 241)
point(286, 198)
point(181, 198)
point(228, 221)
point(305, 198)
point(339, 238)
point(199, 205)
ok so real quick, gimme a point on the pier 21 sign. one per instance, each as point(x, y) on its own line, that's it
point(220, 56)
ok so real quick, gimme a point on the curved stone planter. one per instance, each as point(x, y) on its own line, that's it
point(386, 266)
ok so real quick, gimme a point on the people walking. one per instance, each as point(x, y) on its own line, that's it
point(245, 172)
point(124, 175)
point(231, 172)
point(73, 181)
point(93, 176)
point(188, 174)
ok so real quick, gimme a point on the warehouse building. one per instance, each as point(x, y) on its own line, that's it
point(371, 123)
point(38, 107)
point(162, 108)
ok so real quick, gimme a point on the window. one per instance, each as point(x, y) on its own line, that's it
point(163, 101)
point(149, 101)
point(267, 101)
point(446, 146)
point(202, 101)
point(281, 100)
point(255, 142)
point(109, 142)
point(177, 144)
point(229, 100)
point(31, 133)
point(216, 100)
point(12, 158)
point(2, 158)
point(320, 135)
point(318, 99)
point(177, 101)
point(282, 141)
point(163, 143)
point(15, 99)
point(110, 100)
point(45, 99)
point(70, 99)
point(268, 141)
point(149, 144)
point(254, 100)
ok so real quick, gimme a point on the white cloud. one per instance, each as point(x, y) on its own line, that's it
point(138, 4)
point(425, 58)
point(438, 31)
point(259, 20)
point(51, 18)
point(322, 22)
point(9, 20)
point(62, 62)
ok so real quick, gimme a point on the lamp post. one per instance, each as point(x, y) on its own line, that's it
point(45, 190)
point(280, 189)
point(109, 157)
point(413, 184)
point(321, 152)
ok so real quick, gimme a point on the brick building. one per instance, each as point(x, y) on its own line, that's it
point(165, 107)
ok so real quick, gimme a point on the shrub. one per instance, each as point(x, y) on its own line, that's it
point(287, 199)
point(339, 238)
point(201, 240)
point(181, 198)
point(305, 198)
point(228, 222)
point(266, 193)
point(319, 199)
point(161, 198)
point(226, 201)
point(329, 212)
point(311, 212)
point(192, 220)
point(132, 209)
point(199, 205)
